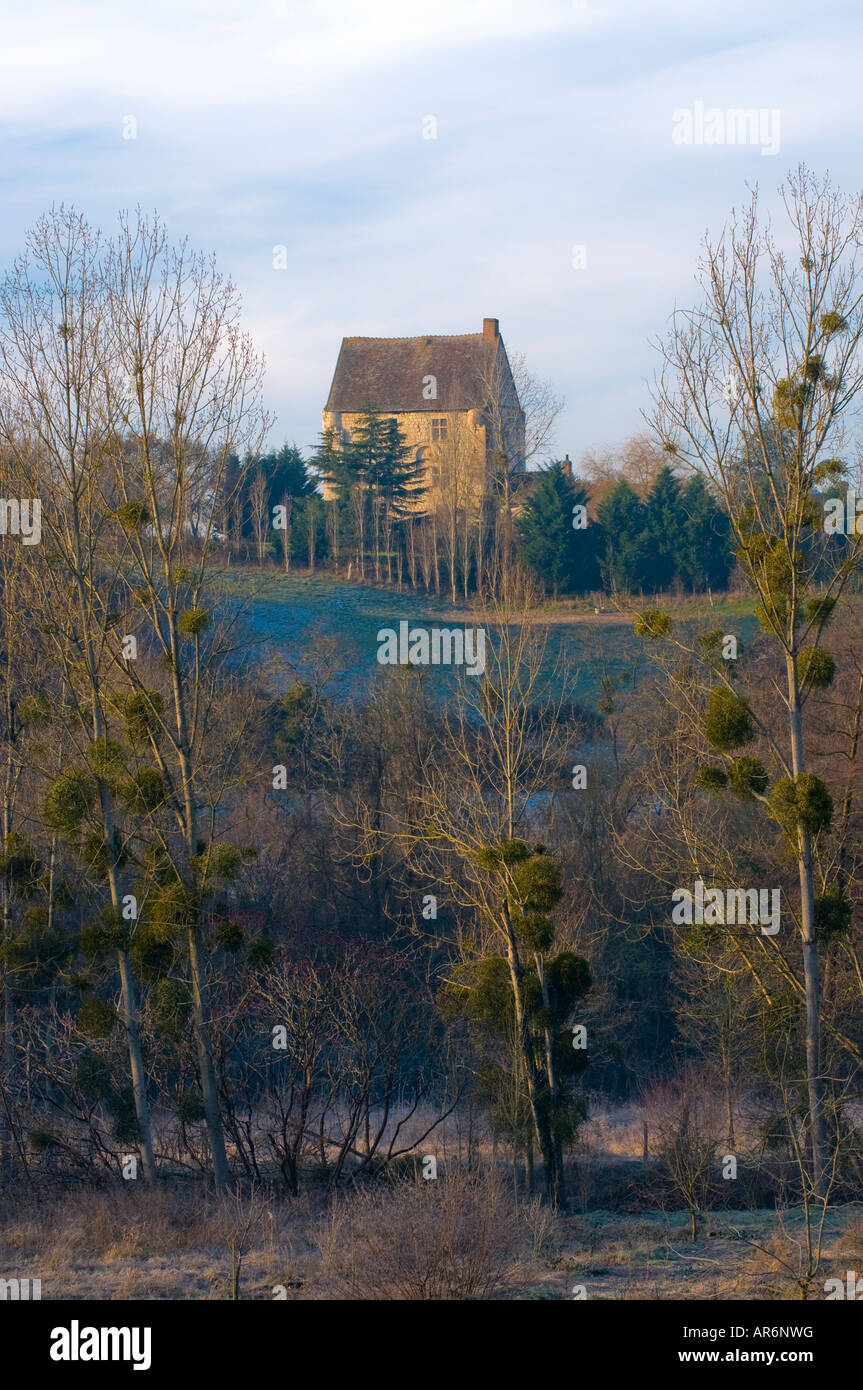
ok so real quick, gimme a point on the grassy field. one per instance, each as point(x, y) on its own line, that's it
point(394, 1244)
point(291, 624)
point(472, 1233)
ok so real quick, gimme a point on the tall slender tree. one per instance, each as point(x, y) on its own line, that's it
point(54, 425)
point(755, 384)
point(179, 375)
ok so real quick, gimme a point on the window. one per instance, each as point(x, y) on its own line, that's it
point(439, 430)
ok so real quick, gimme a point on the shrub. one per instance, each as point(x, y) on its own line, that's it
point(833, 914)
point(816, 668)
point(804, 801)
point(175, 909)
point(69, 798)
point(711, 779)
point(96, 1018)
point(449, 1239)
point(652, 623)
point(141, 713)
point(145, 791)
point(193, 621)
point(34, 712)
point(747, 778)
point(728, 723)
point(819, 610)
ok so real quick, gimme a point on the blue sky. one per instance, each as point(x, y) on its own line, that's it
point(301, 125)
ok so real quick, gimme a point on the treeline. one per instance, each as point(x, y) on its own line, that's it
point(678, 535)
point(668, 534)
point(269, 509)
point(383, 520)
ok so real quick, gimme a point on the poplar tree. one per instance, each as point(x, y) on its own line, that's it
point(754, 386)
point(53, 424)
point(180, 376)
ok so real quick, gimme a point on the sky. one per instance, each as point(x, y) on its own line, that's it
point(426, 165)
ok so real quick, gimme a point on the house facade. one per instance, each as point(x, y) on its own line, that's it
point(454, 398)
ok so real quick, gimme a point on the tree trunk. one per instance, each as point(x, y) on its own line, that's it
point(6, 1080)
point(539, 1094)
point(129, 1008)
point(8, 1006)
point(811, 974)
point(136, 1060)
point(729, 1107)
point(212, 1113)
point(209, 1089)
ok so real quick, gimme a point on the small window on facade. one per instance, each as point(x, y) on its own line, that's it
point(439, 429)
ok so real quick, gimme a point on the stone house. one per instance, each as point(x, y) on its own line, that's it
point(454, 398)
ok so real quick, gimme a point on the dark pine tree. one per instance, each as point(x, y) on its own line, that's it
point(398, 473)
point(287, 475)
point(626, 562)
point(331, 460)
point(665, 520)
point(563, 558)
point(705, 557)
point(382, 466)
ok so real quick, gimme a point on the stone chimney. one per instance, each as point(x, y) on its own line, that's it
point(490, 328)
point(567, 466)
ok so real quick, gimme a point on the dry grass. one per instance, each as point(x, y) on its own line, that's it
point(460, 1237)
point(851, 1242)
point(452, 1239)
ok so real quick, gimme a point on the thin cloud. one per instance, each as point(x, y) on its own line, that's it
point(302, 126)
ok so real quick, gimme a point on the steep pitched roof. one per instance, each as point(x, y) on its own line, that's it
point(388, 373)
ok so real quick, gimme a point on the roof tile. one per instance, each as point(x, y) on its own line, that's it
point(388, 373)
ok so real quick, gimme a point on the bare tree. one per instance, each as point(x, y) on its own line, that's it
point(53, 424)
point(754, 387)
point(172, 330)
point(258, 500)
point(637, 461)
point(456, 483)
point(502, 740)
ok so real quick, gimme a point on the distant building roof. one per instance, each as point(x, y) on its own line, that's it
point(390, 373)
